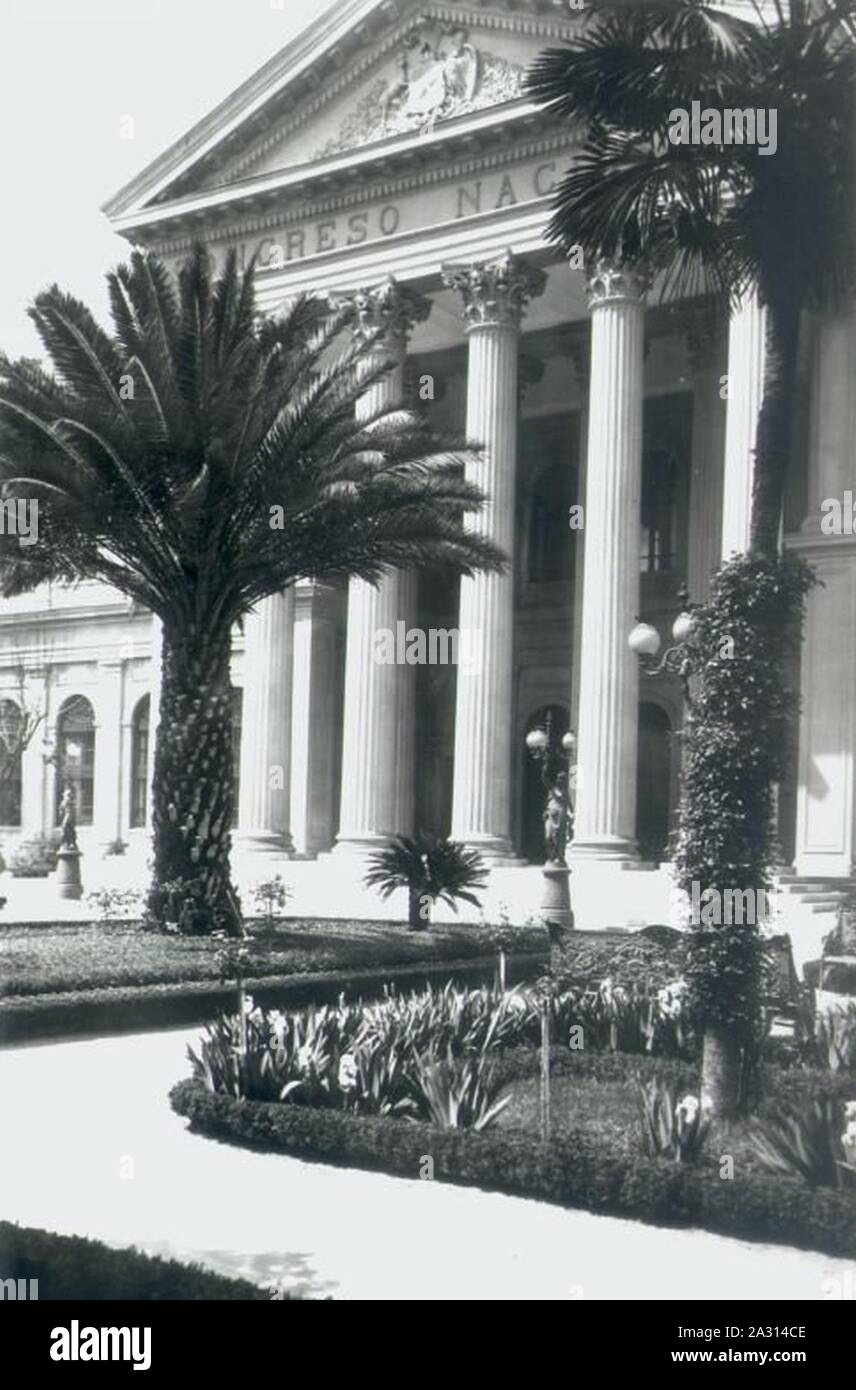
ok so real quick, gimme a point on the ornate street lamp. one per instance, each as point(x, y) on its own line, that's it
point(646, 642)
point(557, 759)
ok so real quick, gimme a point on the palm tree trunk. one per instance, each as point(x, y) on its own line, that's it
point(775, 422)
point(415, 920)
point(192, 792)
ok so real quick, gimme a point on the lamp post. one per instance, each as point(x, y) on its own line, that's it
point(556, 757)
point(646, 642)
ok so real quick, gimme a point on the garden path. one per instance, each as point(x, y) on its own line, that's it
point(92, 1148)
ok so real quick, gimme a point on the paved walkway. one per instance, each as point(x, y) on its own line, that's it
point(91, 1147)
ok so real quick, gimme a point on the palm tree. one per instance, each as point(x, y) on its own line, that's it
point(199, 459)
point(430, 868)
point(718, 219)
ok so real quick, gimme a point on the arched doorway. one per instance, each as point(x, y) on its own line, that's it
point(75, 743)
point(654, 782)
point(532, 836)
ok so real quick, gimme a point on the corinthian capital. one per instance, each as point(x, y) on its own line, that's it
point(615, 282)
point(389, 309)
point(495, 293)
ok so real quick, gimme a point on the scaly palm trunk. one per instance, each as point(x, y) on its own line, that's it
point(192, 791)
point(415, 920)
point(724, 1047)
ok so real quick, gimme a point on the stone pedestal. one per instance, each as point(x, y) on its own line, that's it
point(67, 874)
point(494, 296)
point(556, 901)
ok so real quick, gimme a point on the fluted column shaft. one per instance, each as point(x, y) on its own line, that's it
point(494, 295)
point(263, 813)
point(706, 347)
point(378, 757)
point(745, 390)
point(609, 676)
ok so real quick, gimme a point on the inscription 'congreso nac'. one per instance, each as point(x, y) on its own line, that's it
point(426, 206)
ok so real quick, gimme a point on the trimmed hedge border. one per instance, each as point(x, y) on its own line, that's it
point(74, 1267)
point(571, 1170)
point(134, 1009)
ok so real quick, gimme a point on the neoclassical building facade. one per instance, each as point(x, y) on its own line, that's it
point(389, 153)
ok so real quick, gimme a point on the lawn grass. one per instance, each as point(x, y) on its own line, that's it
point(44, 959)
point(606, 1109)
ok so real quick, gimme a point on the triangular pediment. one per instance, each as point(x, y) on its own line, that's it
point(368, 74)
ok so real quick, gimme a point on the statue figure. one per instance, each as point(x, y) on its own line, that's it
point(68, 824)
point(556, 819)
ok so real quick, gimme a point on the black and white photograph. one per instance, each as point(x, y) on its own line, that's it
point(427, 669)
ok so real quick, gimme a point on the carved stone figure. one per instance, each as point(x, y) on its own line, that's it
point(556, 819)
point(68, 822)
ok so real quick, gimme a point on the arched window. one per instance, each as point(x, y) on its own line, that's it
point(237, 711)
point(139, 763)
point(75, 746)
point(11, 736)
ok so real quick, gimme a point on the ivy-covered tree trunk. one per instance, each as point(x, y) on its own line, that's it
point(736, 734)
point(722, 1059)
point(192, 792)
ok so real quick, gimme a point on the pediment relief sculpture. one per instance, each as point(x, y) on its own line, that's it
point(439, 74)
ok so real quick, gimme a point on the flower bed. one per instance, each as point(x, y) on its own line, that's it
point(446, 1084)
point(579, 1170)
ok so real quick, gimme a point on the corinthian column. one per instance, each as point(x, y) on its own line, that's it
point(378, 725)
point(609, 676)
point(494, 297)
point(745, 389)
point(705, 349)
point(263, 812)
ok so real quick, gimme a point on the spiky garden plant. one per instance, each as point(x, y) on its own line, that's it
point(200, 458)
point(431, 868)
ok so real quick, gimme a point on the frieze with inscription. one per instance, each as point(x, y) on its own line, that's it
point(488, 192)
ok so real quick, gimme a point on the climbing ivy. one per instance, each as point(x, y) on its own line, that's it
point(735, 739)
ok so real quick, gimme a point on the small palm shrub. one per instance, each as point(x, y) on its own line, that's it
point(808, 1143)
point(431, 868)
point(671, 1129)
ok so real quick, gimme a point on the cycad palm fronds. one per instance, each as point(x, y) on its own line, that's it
point(430, 867)
point(199, 459)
